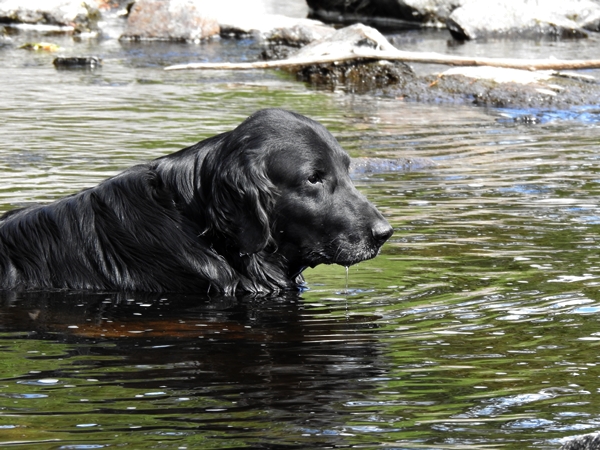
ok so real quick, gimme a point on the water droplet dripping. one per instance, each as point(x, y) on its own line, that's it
point(347, 269)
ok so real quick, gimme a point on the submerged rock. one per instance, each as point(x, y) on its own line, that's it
point(550, 90)
point(358, 77)
point(70, 15)
point(366, 166)
point(77, 62)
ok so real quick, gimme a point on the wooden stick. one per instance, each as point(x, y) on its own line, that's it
point(420, 57)
point(273, 64)
point(510, 63)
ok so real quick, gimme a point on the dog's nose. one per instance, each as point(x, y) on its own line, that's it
point(382, 231)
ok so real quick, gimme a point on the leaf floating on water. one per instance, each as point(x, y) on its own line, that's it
point(40, 46)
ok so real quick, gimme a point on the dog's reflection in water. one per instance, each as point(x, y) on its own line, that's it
point(277, 351)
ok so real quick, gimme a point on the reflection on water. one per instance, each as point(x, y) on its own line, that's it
point(177, 366)
point(477, 327)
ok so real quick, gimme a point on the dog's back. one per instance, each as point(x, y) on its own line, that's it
point(110, 237)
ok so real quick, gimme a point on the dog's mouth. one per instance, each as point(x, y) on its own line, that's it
point(354, 257)
point(345, 254)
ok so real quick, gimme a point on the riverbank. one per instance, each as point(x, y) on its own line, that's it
point(264, 35)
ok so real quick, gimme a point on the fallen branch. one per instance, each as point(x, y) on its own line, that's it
point(508, 63)
point(274, 64)
point(399, 55)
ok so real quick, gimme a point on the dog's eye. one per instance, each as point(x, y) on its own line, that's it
point(315, 178)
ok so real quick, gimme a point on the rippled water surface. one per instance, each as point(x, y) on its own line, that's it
point(477, 326)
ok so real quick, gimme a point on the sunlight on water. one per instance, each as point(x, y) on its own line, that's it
point(477, 326)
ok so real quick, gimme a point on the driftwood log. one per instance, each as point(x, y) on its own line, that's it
point(359, 42)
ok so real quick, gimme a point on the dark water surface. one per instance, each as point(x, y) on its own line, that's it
point(477, 327)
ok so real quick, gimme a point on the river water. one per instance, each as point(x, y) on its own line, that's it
point(477, 327)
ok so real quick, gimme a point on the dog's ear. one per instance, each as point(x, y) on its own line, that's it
point(238, 196)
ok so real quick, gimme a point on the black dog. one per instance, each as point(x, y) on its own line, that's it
point(247, 210)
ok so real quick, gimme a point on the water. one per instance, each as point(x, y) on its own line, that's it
point(477, 326)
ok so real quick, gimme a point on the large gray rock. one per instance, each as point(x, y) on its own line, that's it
point(263, 19)
point(471, 19)
point(346, 40)
point(178, 20)
point(385, 11)
point(524, 18)
point(194, 20)
point(433, 10)
point(70, 14)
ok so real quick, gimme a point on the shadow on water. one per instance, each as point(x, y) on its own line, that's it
point(200, 366)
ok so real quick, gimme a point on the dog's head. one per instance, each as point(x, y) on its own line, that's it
point(280, 182)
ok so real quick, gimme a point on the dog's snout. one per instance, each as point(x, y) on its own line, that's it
point(382, 231)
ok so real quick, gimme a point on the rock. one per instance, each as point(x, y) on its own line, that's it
point(498, 87)
point(77, 62)
point(275, 51)
point(469, 19)
point(388, 13)
point(524, 18)
point(288, 8)
point(365, 166)
point(194, 20)
point(540, 81)
point(332, 62)
point(500, 74)
point(258, 19)
point(354, 11)
point(301, 33)
point(172, 20)
point(589, 17)
point(358, 76)
point(433, 11)
point(70, 15)
point(275, 28)
point(585, 442)
point(346, 40)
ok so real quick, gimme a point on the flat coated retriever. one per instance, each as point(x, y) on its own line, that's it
point(244, 211)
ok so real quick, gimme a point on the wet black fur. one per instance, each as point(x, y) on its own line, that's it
point(245, 210)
